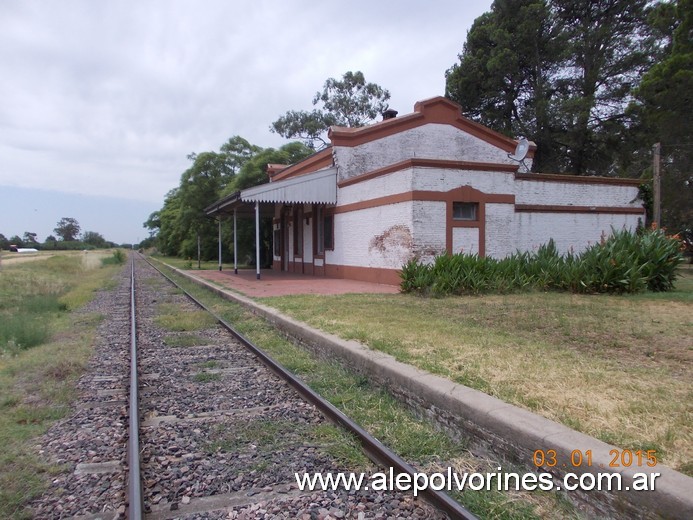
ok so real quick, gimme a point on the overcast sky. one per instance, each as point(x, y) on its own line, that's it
point(101, 101)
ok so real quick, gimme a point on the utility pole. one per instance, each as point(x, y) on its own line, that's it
point(656, 184)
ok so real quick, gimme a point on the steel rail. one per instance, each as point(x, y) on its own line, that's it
point(135, 499)
point(374, 449)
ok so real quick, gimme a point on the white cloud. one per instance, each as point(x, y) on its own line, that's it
point(108, 98)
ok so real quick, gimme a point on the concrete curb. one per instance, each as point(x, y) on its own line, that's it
point(512, 431)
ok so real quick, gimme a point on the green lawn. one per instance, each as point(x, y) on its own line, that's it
point(615, 367)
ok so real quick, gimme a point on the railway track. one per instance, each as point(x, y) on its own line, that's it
point(217, 429)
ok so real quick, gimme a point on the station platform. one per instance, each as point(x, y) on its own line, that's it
point(279, 283)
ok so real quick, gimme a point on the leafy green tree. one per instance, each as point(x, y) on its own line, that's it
point(253, 173)
point(30, 239)
point(503, 78)
point(559, 72)
point(4, 243)
point(164, 224)
point(237, 165)
point(347, 102)
point(200, 185)
point(608, 50)
point(237, 151)
point(15, 240)
point(180, 221)
point(67, 229)
point(664, 105)
point(93, 238)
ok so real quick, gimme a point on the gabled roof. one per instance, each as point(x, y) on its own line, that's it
point(317, 161)
point(434, 110)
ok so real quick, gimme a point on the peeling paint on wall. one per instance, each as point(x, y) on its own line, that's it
point(394, 244)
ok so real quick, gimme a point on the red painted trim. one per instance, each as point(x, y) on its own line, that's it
point(364, 274)
point(541, 208)
point(317, 161)
point(461, 194)
point(435, 110)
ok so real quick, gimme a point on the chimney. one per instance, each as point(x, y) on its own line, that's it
point(389, 114)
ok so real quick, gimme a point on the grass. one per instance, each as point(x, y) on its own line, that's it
point(615, 367)
point(377, 411)
point(269, 436)
point(206, 377)
point(191, 264)
point(177, 318)
point(184, 340)
point(37, 380)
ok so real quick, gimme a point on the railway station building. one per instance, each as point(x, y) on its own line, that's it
point(420, 185)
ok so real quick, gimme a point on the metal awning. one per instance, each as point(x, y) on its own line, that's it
point(312, 188)
point(318, 187)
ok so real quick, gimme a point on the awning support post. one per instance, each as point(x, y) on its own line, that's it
point(235, 245)
point(219, 242)
point(257, 239)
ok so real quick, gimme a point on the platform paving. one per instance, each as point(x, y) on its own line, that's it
point(274, 283)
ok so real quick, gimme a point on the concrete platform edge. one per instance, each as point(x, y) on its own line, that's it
point(525, 430)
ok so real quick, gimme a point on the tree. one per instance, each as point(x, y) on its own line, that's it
point(237, 165)
point(16, 241)
point(560, 72)
point(30, 238)
point(254, 171)
point(664, 105)
point(503, 78)
point(163, 223)
point(607, 53)
point(93, 238)
point(67, 229)
point(200, 185)
point(237, 152)
point(4, 243)
point(347, 102)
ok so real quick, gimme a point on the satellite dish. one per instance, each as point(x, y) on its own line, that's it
point(521, 152)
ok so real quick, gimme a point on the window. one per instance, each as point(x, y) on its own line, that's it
point(324, 230)
point(328, 240)
point(465, 210)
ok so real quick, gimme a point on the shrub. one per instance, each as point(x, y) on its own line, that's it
point(117, 258)
point(623, 263)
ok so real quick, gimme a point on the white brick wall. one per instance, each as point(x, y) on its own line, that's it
point(374, 237)
point(390, 184)
point(429, 220)
point(432, 141)
point(387, 236)
point(571, 231)
point(575, 194)
point(500, 231)
point(435, 179)
point(465, 240)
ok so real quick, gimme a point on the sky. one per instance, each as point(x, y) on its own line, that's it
point(101, 102)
